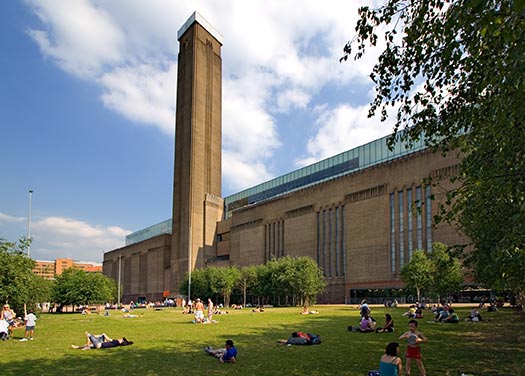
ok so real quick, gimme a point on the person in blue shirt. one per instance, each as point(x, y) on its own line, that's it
point(226, 355)
point(390, 364)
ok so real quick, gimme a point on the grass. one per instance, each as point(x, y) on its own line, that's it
point(166, 342)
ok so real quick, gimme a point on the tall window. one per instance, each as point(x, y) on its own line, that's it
point(400, 203)
point(336, 242)
point(318, 241)
point(392, 234)
point(419, 229)
point(409, 223)
point(428, 210)
point(342, 241)
point(330, 241)
point(324, 242)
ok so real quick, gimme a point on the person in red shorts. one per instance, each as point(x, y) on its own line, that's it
point(414, 338)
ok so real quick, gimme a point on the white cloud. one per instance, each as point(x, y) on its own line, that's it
point(340, 129)
point(82, 38)
point(57, 237)
point(292, 98)
point(143, 93)
point(277, 57)
point(8, 218)
point(239, 174)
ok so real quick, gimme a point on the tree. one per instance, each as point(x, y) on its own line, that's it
point(200, 285)
point(455, 71)
point(418, 273)
point(308, 280)
point(76, 287)
point(295, 278)
point(16, 274)
point(247, 280)
point(212, 281)
point(448, 277)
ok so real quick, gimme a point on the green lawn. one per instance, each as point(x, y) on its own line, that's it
point(166, 343)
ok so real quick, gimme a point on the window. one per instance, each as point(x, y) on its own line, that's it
point(400, 203)
point(392, 234)
point(336, 242)
point(419, 229)
point(409, 223)
point(318, 241)
point(428, 210)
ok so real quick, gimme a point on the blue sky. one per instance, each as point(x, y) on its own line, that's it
point(87, 108)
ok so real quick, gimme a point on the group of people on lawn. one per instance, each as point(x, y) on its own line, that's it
point(390, 362)
point(9, 321)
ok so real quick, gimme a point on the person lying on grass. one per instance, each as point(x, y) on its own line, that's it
point(306, 311)
point(102, 341)
point(300, 338)
point(226, 355)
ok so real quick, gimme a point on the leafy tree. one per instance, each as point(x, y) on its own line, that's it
point(16, 274)
point(448, 277)
point(280, 280)
point(230, 278)
point(200, 285)
point(308, 280)
point(76, 287)
point(419, 272)
point(212, 281)
point(295, 278)
point(455, 72)
point(248, 280)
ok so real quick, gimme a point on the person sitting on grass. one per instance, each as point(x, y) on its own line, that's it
point(102, 341)
point(366, 325)
point(4, 329)
point(389, 325)
point(452, 317)
point(226, 355)
point(391, 364)
point(474, 315)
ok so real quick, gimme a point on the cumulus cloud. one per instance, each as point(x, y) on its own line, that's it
point(60, 237)
point(80, 37)
point(340, 129)
point(292, 98)
point(8, 218)
point(277, 57)
point(143, 93)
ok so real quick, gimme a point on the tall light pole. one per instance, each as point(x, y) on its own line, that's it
point(29, 224)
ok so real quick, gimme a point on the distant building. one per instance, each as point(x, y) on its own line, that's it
point(49, 269)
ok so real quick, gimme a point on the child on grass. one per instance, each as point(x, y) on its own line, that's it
point(414, 337)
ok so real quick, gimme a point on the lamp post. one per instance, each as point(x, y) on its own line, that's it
point(29, 224)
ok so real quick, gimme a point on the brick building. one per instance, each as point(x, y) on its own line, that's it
point(48, 269)
point(359, 214)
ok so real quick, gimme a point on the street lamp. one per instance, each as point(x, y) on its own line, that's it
point(29, 225)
